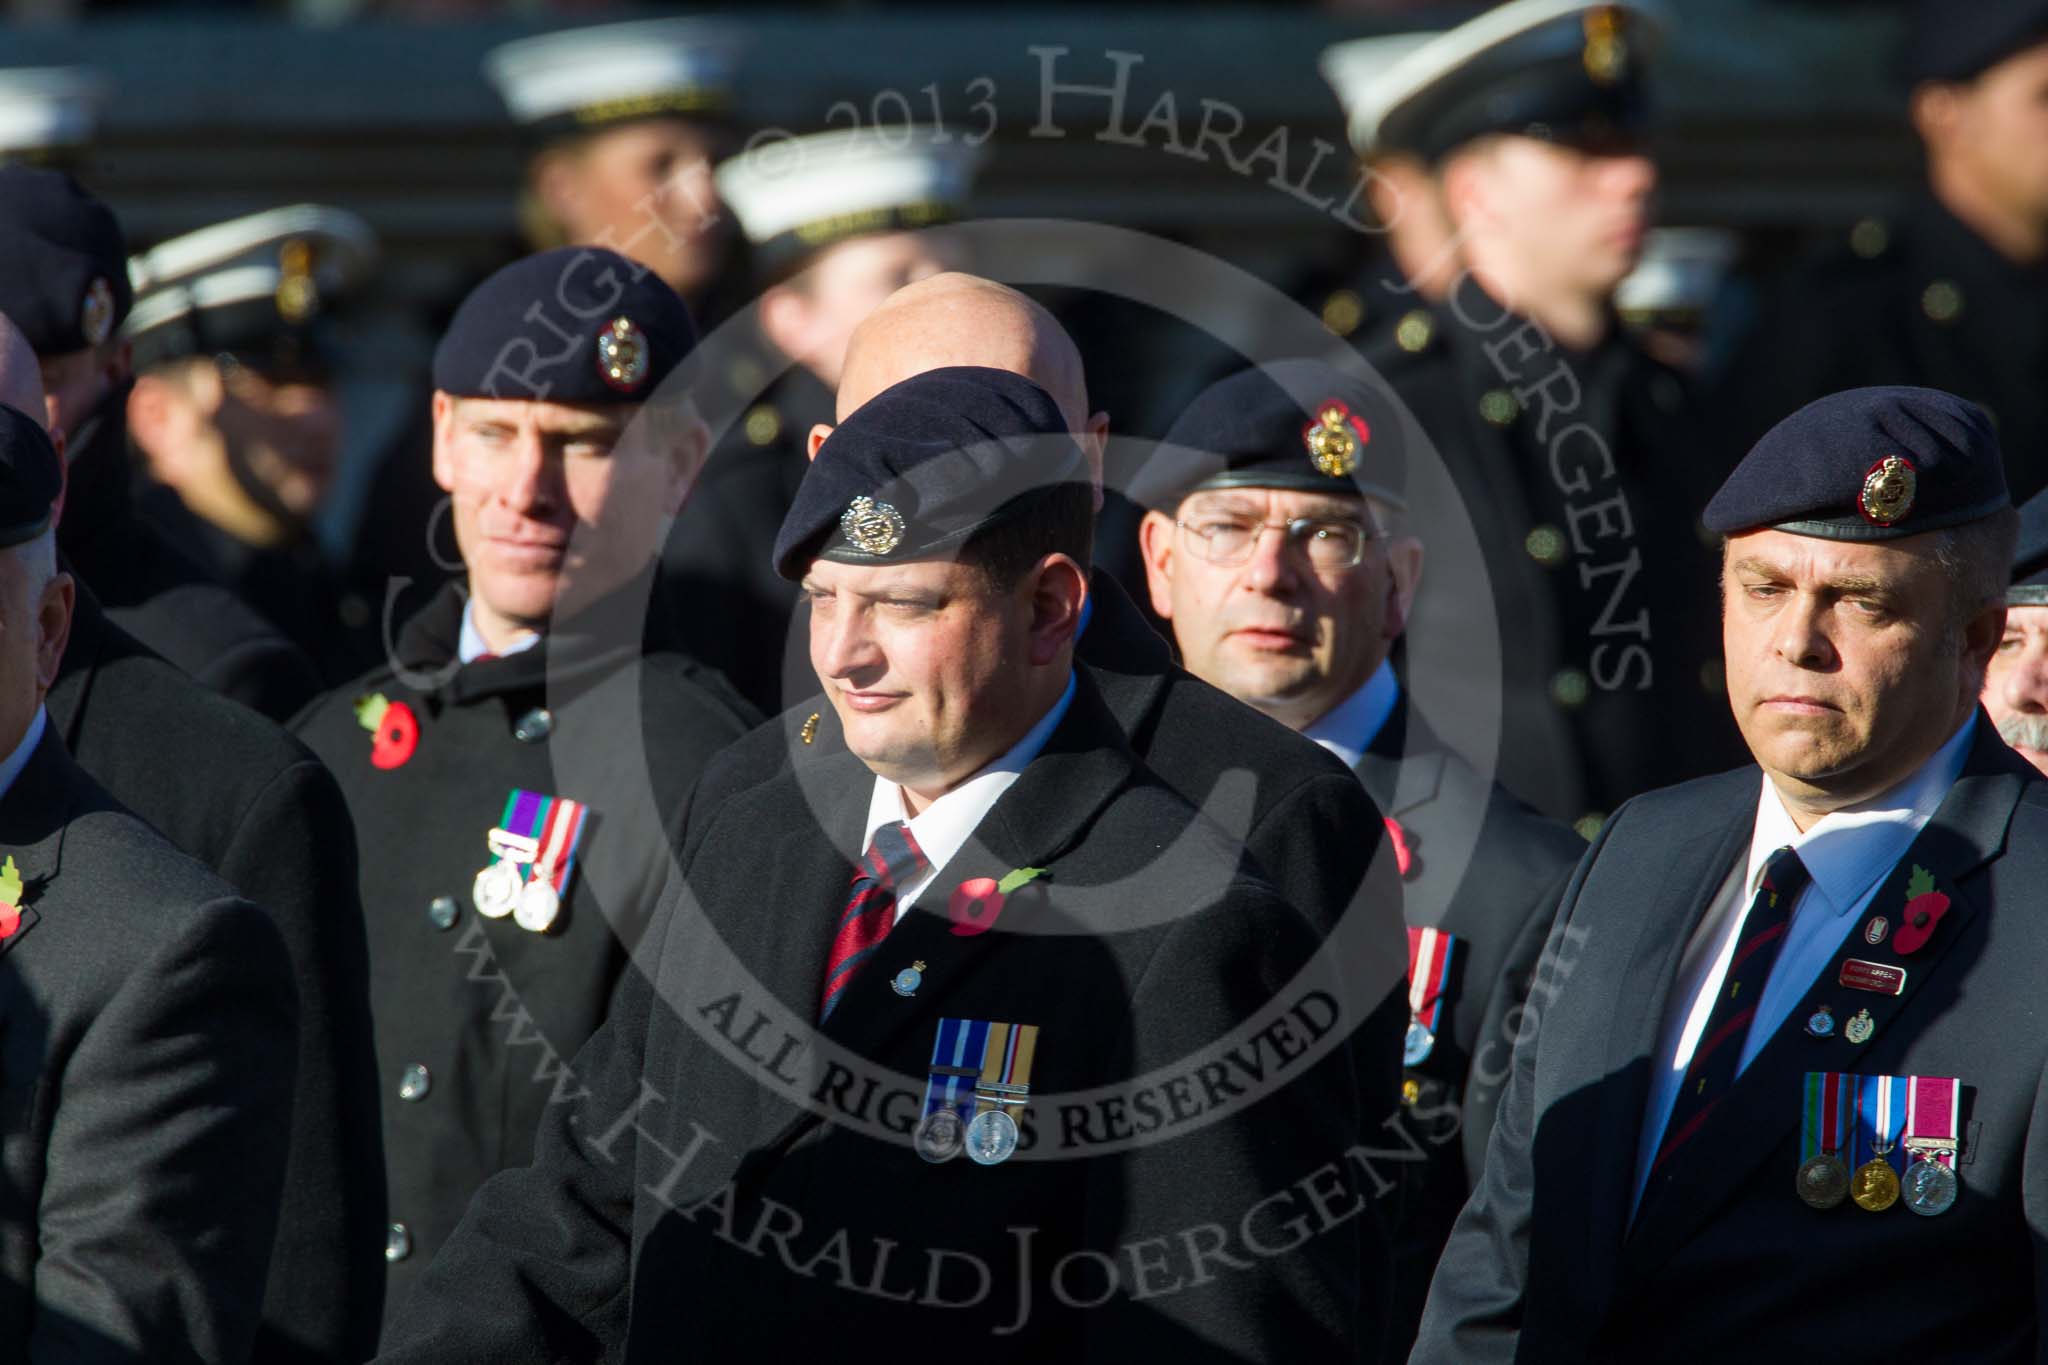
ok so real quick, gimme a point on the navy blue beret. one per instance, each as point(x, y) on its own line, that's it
point(1867, 464)
point(30, 477)
point(63, 262)
point(1299, 424)
point(926, 464)
point(1948, 41)
point(2030, 555)
point(579, 324)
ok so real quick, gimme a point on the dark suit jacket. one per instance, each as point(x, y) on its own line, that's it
point(1726, 1262)
point(1487, 869)
point(1143, 943)
point(237, 793)
point(147, 1047)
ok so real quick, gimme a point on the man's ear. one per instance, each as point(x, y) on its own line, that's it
point(691, 447)
point(1059, 593)
point(1936, 108)
point(1981, 634)
point(819, 432)
point(444, 440)
point(1404, 575)
point(785, 317)
point(1156, 548)
point(53, 628)
point(557, 185)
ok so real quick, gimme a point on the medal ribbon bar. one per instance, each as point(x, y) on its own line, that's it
point(1429, 974)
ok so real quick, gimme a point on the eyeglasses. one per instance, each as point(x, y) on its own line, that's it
point(1331, 545)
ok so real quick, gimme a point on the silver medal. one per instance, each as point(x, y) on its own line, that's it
point(991, 1138)
point(1419, 1045)
point(496, 890)
point(940, 1136)
point(1930, 1188)
point(539, 904)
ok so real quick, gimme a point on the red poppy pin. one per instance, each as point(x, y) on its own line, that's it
point(977, 901)
point(1403, 858)
point(394, 729)
point(1924, 908)
point(10, 899)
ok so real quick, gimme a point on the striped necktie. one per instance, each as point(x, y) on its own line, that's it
point(1713, 1065)
point(893, 858)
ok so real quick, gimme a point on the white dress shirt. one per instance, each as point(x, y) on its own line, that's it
point(11, 766)
point(1349, 728)
point(471, 645)
point(1848, 852)
point(948, 822)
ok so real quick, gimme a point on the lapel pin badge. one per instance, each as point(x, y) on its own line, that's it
point(906, 982)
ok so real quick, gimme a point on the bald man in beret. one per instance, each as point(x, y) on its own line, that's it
point(1794, 1040)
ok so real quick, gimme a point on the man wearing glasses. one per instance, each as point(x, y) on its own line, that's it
point(1276, 551)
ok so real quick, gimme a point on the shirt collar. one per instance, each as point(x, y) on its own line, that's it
point(1349, 728)
point(470, 645)
point(11, 766)
point(1850, 850)
point(946, 823)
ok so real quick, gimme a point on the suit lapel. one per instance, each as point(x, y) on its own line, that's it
point(34, 815)
point(1763, 1105)
point(1403, 767)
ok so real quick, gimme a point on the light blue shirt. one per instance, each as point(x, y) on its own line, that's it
point(1349, 728)
point(1849, 852)
point(11, 766)
point(944, 827)
point(471, 645)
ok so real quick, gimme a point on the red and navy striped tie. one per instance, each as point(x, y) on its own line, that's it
point(893, 857)
point(1713, 1065)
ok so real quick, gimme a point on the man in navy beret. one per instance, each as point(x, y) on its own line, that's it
point(1796, 1042)
point(1279, 554)
point(1948, 287)
point(2016, 683)
point(954, 883)
point(64, 284)
point(491, 849)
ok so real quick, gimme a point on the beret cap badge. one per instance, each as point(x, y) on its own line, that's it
point(871, 527)
point(1888, 490)
point(96, 314)
point(1333, 439)
point(621, 355)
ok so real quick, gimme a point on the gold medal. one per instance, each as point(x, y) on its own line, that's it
point(1875, 1186)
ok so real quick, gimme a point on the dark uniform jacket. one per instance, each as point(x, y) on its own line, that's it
point(240, 795)
point(1142, 943)
point(1920, 299)
point(1728, 1263)
point(146, 1066)
point(476, 1016)
point(160, 594)
point(734, 610)
point(1486, 869)
point(1583, 479)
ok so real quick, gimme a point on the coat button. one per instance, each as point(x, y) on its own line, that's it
point(415, 1082)
point(763, 424)
point(441, 912)
point(1869, 238)
point(397, 1242)
point(1569, 688)
point(1942, 301)
point(1499, 407)
point(1343, 311)
point(1415, 331)
point(535, 726)
point(1545, 545)
point(1589, 825)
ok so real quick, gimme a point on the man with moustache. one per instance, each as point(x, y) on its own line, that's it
point(1021, 869)
point(1301, 625)
point(1766, 1086)
point(2016, 681)
point(511, 844)
point(1574, 453)
point(147, 1027)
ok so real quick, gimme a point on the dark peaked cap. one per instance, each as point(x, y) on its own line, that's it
point(1867, 464)
point(30, 477)
point(2030, 556)
point(1300, 424)
point(1959, 40)
point(926, 464)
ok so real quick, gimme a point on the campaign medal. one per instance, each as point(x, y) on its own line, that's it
point(1933, 1104)
point(906, 982)
point(1880, 1112)
point(561, 825)
point(1859, 1028)
point(1821, 1023)
point(941, 1132)
point(1005, 1084)
point(1429, 976)
point(1823, 1175)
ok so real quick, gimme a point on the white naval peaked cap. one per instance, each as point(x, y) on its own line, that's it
point(246, 278)
point(1519, 33)
point(49, 108)
point(801, 193)
point(1357, 69)
point(586, 78)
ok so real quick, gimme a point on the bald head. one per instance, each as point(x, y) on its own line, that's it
point(21, 377)
point(958, 319)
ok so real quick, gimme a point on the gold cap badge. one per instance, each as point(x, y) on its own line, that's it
point(1333, 439)
point(298, 295)
point(1606, 54)
point(1888, 490)
point(871, 527)
point(96, 314)
point(622, 355)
